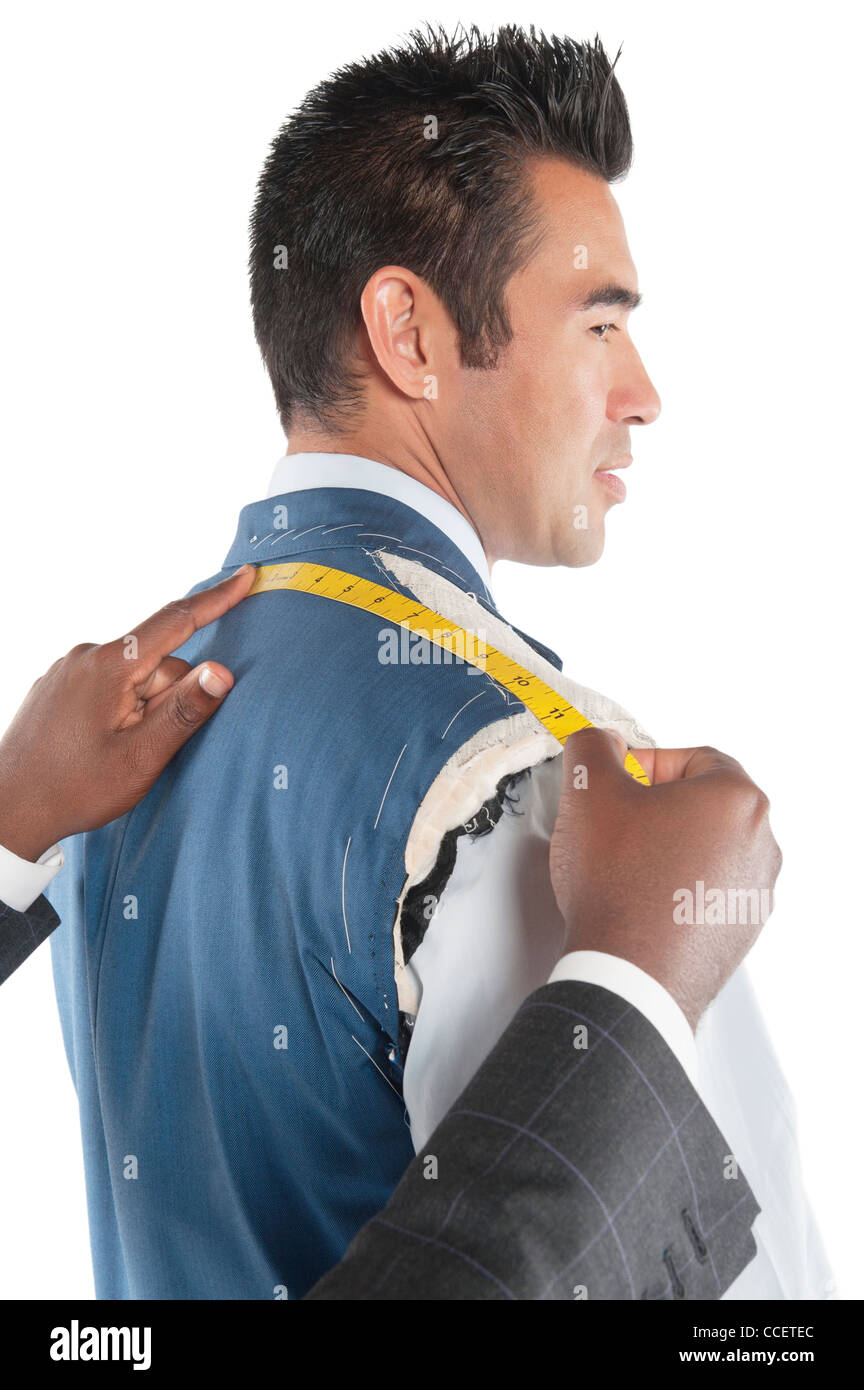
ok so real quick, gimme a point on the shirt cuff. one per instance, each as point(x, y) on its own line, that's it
point(641, 990)
point(22, 881)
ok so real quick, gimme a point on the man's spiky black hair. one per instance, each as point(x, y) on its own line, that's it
point(353, 182)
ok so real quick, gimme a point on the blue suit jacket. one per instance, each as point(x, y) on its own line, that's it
point(224, 967)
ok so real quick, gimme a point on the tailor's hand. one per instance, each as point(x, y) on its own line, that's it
point(95, 732)
point(621, 850)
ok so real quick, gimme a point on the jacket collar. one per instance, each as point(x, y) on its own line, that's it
point(337, 520)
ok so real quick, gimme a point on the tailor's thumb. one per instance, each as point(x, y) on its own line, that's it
point(592, 756)
point(184, 710)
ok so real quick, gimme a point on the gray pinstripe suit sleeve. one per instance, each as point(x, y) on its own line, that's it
point(578, 1162)
point(22, 932)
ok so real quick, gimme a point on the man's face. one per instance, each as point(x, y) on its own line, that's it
point(527, 441)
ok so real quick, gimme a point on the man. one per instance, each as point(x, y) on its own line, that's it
point(327, 903)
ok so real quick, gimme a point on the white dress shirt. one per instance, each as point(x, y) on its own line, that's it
point(497, 935)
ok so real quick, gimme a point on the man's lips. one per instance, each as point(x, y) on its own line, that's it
point(610, 480)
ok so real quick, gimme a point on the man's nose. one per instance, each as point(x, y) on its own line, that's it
point(633, 400)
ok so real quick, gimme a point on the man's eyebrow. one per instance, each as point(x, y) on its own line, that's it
point(609, 296)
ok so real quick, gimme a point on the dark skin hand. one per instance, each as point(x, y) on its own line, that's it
point(620, 851)
point(95, 732)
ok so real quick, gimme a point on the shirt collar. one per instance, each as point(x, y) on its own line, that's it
point(302, 472)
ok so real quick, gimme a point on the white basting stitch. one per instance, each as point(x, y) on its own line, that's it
point(387, 788)
point(344, 990)
point(344, 918)
point(465, 706)
point(375, 1065)
point(342, 527)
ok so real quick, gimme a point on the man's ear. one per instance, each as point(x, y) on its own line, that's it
point(409, 330)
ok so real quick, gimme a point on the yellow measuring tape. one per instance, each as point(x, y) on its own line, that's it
point(554, 713)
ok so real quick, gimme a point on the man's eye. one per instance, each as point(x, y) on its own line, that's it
point(601, 329)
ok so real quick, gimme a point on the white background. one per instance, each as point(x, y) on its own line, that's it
point(138, 420)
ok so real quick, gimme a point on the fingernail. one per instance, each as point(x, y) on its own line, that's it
point(241, 569)
point(213, 684)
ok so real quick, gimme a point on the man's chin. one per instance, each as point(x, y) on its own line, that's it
point(572, 550)
point(584, 548)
